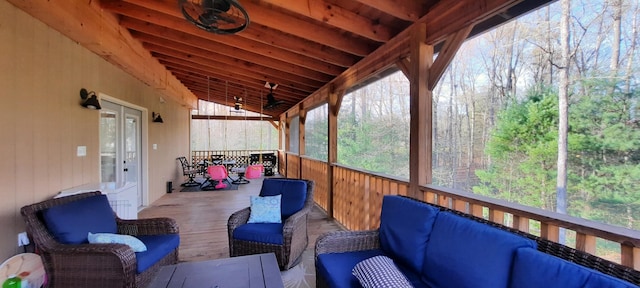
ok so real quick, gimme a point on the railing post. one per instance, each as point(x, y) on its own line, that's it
point(586, 243)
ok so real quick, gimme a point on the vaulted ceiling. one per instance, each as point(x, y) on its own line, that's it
point(301, 45)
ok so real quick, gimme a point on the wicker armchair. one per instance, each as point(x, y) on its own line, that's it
point(295, 237)
point(94, 265)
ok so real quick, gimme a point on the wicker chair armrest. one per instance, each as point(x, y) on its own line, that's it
point(149, 226)
point(238, 218)
point(294, 221)
point(347, 241)
point(117, 255)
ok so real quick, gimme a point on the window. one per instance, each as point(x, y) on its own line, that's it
point(373, 126)
point(496, 115)
point(207, 134)
point(294, 133)
point(316, 133)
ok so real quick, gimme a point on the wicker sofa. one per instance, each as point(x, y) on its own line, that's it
point(432, 246)
point(82, 264)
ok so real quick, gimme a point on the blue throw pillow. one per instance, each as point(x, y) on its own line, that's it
point(380, 272)
point(71, 222)
point(110, 238)
point(294, 193)
point(265, 209)
point(405, 228)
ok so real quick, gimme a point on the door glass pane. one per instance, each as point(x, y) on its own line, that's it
point(131, 146)
point(108, 146)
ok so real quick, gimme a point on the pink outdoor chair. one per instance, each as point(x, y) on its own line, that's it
point(217, 174)
point(254, 171)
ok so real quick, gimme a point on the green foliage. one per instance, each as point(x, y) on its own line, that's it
point(523, 149)
point(604, 155)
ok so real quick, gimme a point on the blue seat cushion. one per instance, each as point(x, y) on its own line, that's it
point(70, 223)
point(405, 227)
point(532, 269)
point(336, 267)
point(465, 253)
point(294, 194)
point(158, 246)
point(260, 232)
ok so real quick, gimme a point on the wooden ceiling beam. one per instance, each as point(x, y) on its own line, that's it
point(201, 46)
point(183, 72)
point(216, 70)
point(160, 43)
point(242, 118)
point(223, 92)
point(169, 22)
point(408, 10)
point(449, 16)
point(446, 54)
point(175, 64)
point(333, 15)
point(313, 32)
point(80, 21)
point(280, 22)
point(303, 29)
point(269, 36)
point(256, 71)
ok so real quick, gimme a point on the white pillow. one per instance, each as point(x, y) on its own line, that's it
point(380, 272)
point(110, 238)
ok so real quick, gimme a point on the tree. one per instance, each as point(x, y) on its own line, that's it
point(523, 145)
point(563, 112)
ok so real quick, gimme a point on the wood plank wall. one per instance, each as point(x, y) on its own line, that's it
point(357, 199)
point(293, 166)
point(317, 170)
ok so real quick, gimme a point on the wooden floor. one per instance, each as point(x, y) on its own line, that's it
point(202, 218)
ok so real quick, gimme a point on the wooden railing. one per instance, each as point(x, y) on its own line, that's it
point(354, 198)
point(241, 157)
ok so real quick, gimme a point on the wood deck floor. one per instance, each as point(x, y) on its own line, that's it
point(202, 218)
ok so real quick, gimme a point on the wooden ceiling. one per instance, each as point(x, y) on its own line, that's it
point(301, 45)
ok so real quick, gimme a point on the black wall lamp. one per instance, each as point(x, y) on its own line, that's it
point(90, 99)
point(156, 117)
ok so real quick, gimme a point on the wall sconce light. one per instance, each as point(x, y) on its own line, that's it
point(156, 117)
point(90, 99)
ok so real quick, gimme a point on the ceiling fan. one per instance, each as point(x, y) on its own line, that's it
point(271, 101)
point(216, 16)
point(237, 106)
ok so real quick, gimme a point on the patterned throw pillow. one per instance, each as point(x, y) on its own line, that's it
point(109, 238)
point(379, 272)
point(265, 209)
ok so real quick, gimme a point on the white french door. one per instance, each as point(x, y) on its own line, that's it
point(120, 144)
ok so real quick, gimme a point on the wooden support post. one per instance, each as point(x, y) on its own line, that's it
point(420, 99)
point(335, 98)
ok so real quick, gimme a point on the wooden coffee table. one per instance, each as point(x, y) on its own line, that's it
point(260, 270)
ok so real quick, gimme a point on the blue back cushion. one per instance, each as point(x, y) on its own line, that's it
point(70, 223)
point(532, 269)
point(465, 253)
point(405, 227)
point(294, 193)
